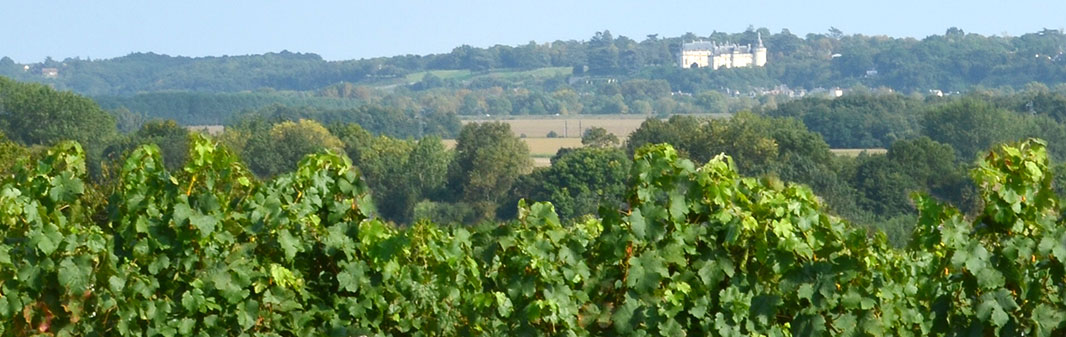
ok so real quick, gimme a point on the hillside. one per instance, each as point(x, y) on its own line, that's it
point(954, 61)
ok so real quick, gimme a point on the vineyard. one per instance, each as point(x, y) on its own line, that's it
point(211, 251)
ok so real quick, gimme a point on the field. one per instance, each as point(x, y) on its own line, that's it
point(536, 128)
point(466, 75)
point(568, 127)
point(541, 149)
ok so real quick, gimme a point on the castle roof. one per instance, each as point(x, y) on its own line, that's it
point(698, 45)
point(716, 48)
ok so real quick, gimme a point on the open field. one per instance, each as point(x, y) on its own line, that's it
point(466, 75)
point(547, 147)
point(443, 74)
point(538, 147)
point(541, 149)
point(568, 127)
point(573, 126)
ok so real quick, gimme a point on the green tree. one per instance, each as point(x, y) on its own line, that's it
point(270, 152)
point(488, 160)
point(10, 152)
point(578, 182)
point(401, 173)
point(971, 126)
point(34, 114)
point(428, 166)
point(603, 54)
point(384, 163)
point(171, 138)
point(598, 137)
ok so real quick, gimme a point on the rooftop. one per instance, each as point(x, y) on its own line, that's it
point(715, 48)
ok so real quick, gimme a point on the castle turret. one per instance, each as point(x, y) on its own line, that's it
point(760, 53)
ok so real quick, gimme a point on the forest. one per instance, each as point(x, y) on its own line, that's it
point(330, 204)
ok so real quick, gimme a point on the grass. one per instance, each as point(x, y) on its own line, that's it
point(510, 74)
point(536, 73)
point(461, 74)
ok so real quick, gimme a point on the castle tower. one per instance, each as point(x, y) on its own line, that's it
point(760, 53)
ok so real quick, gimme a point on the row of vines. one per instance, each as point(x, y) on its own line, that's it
point(211, 251)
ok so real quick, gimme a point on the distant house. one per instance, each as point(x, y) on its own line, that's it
point(837, 92)
point(50, 72)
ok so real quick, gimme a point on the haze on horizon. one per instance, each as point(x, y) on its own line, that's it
point(340, 30)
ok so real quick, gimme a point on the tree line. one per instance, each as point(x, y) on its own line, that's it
point(930, 144)
point(636, 96)
point(605, 74)
point(953, 61)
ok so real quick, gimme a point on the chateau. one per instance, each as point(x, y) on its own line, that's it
point(702, 54)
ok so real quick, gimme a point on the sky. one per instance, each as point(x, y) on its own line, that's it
point(354, 29)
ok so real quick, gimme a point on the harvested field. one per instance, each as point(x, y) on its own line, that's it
point(547, 147)
point(568, 127)
point(542, 149)
point(573, 126)
point(538, 147)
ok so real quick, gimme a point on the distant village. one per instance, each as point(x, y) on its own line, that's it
point(46, 72)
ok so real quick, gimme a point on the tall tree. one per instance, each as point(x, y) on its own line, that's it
point(172, 139)
point(971, 126)
point(598, 137)
point(34, 114)
point(578, 182)
point(488, 160)
point(279, 149)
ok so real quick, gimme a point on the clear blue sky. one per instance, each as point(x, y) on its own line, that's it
point(32, 30)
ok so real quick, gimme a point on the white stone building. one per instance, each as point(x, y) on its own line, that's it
point(702, 54)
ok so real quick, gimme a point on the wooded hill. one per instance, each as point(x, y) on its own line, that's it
point(955, 61)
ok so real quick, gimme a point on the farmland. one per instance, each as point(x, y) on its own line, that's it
point(506, 74)
point(533, 130)
point(568, 127)
point(541, 149)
